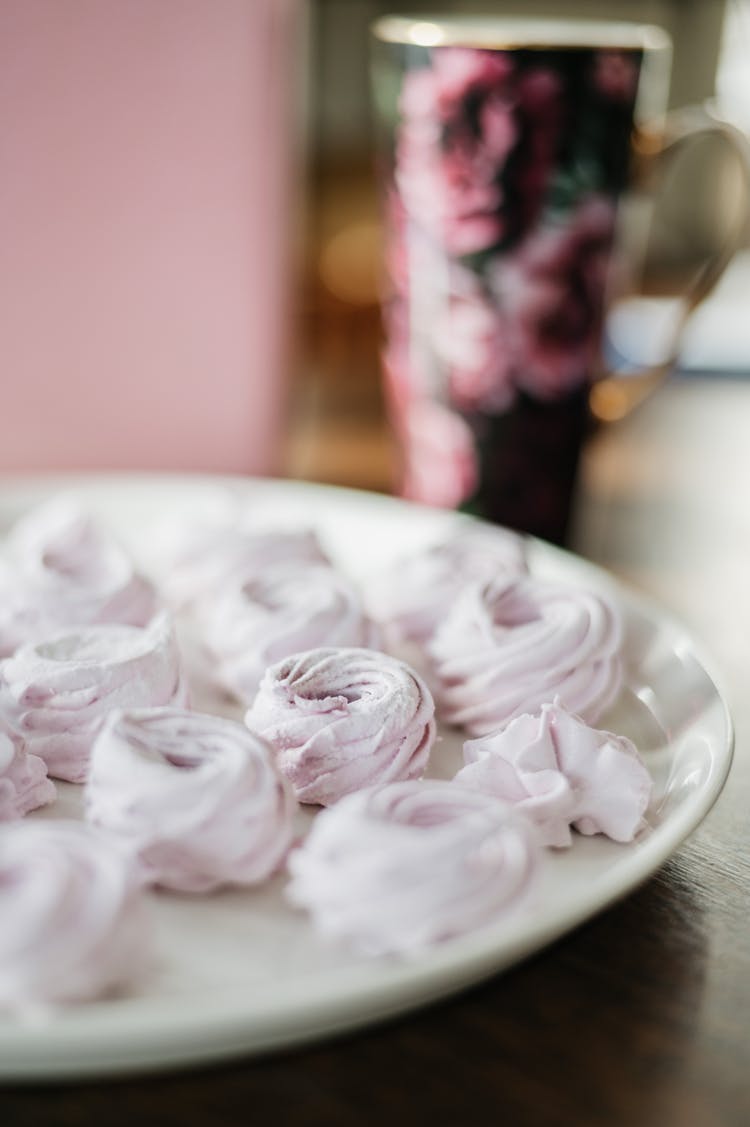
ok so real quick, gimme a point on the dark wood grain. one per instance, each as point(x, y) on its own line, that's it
point(642, 1016)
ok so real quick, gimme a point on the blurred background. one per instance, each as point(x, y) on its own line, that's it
point(190, 232)
point(338, 432)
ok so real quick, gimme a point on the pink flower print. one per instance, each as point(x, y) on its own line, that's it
point(592, 242)
point(449, 164)
point(540, 94)
point(553, 292)
point(470, 219)
point(403, 382)
point(616, 75)
point(438, 93)
point(499, 129)
point(472, 342)
point(449, 188)
point(440, 462)
point(460, 71)
point(418, 95)
point(463, 283)
point(395, 257)
point(540, 106)
point(553, 348)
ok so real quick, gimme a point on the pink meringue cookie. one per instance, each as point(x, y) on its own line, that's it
point(393, 869)
point(196, 798)
point(291, 608)
point(24, 785)
point(561, 772)
point(74, 923)
point(410, 598)
point(64, 569)
point(205, 558)
point(55, 693)
point(343, 719)
point(509, 646)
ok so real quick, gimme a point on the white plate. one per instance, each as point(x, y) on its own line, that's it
point(240, 972)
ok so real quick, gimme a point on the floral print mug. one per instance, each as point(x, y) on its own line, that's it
point(508, 150)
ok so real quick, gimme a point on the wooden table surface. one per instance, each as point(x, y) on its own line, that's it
point(641, 1016)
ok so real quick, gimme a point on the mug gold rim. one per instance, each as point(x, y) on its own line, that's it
point(515, 32)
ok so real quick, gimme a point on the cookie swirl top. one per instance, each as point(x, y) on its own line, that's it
point(393, 869)
point(56, 693)
point(74, 922)
point(196, 798)
point(510, 646)
point(344, 718)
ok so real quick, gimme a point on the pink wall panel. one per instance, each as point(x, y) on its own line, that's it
point(145, 150)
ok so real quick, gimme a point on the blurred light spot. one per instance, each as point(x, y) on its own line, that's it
point(426, 34)
point(349, 263)
point(647, 142)
point(609, 401)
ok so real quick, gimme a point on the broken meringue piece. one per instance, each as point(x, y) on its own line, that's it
point(56, 693)
point(62, 568)
point(74, 923)
point(196, 798)
point(396, 868)
point(340, 719)
point(562, 772)
point(512, 645)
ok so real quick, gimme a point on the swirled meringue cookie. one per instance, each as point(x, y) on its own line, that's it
point(24, 785)
point(561, 772)
point(411, 597)
point(393, 869)
point(272, 615)
point(62, 568)
point(510, 646)
point(203, 558)
point(74, 924)
point(197, 798)
point(340, 719)
point(55, 693)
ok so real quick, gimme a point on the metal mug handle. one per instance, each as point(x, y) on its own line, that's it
point(615, 393)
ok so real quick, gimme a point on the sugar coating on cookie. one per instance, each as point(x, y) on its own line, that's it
point(394, 869)
point(56, 693)
point(197, 799)
point(340, 719)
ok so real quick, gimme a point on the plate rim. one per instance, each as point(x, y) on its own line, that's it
point(447, 969)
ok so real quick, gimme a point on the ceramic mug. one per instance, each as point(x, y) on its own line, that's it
point(506, 156)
